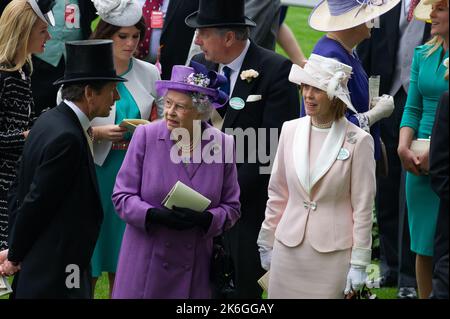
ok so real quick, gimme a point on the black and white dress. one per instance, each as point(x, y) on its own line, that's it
point(16, 116)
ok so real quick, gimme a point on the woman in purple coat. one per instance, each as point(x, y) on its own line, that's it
point(166, 253)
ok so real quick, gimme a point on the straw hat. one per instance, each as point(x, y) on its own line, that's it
point(326, 74)
point(337, 15)
point(423, 9)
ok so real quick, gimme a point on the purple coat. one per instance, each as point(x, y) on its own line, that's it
point(166, 263)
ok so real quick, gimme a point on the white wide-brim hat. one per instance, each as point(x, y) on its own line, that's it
point(326, 74)
point(423, 10)
point(120, 13)
point(337, 15)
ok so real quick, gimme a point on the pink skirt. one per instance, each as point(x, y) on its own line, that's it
point(304, 273)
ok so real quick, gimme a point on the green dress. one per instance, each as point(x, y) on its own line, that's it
point(426, 87)
point(106, 252)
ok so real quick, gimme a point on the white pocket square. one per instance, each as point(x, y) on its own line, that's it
point(254, 98)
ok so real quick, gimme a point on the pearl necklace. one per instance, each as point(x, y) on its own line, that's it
point(322, 125)
point(185, 150)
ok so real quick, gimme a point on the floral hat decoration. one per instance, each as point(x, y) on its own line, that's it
point(203, 85)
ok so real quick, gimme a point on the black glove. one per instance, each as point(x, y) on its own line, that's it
point(201, 219)
point(166, 217)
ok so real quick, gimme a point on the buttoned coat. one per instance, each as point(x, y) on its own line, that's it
point(55, 210)
point(163, 262)
point(334, 201)
point(276, 101)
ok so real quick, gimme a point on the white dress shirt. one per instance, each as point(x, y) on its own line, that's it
point(235, 67)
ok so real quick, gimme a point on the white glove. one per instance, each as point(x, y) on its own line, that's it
point(356, 278)
point(382, 107)
point(265, 254)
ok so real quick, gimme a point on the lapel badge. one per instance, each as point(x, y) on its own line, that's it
point(237, 103)
point(343, 154)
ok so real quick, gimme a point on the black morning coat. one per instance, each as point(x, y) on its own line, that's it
point(55, 209)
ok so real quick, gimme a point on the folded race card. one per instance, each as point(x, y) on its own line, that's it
point(131, 124)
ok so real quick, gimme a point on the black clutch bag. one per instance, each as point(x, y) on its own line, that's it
point(222, 274)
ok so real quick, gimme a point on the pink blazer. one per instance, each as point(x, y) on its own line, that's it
point(334, 200)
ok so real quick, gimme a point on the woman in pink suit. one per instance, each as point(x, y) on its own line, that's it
point(166, 253)
point(316, 236)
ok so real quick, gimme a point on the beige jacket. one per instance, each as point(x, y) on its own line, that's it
point(335, 201)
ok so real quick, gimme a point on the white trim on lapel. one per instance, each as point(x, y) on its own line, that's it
point(301, 151)
point(329, 150)
point(101, 150)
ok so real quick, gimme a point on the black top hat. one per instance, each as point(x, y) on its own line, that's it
point(43, 9)
point(219, 13)
point(89, 60)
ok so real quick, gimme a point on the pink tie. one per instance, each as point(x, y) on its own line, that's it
point(149, 6)
point(412, 6)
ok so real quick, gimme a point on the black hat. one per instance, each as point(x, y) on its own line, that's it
point(89, 60)
point(43, 9)
point(219, 13)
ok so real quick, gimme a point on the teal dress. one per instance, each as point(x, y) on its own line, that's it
point(106, 252)
point(426, 87)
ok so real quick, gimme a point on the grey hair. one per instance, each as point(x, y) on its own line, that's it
point(241, 33)
point(202, 107)
point(75, 92)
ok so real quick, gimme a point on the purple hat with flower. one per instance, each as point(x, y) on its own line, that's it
point(195, 79)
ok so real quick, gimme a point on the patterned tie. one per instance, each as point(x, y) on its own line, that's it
point(149, 6)
point(412, 6)
point(90, 135)
point(226, 88)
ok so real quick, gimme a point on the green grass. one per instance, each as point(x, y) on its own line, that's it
point(297, 20)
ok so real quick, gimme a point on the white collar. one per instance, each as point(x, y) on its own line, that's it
point(84, 120)
point(327, 156)
point(236, 64)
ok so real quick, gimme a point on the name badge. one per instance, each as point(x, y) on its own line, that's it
point(72, 16)
point(237, 103)
point(343, 154)
point(157, 20)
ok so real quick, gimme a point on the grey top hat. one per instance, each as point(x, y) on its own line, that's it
point(89, 60)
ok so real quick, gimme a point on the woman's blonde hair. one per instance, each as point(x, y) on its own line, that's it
point(436, 42)
point(16, 23)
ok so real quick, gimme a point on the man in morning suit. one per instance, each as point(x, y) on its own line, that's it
point(439, 177)
point(261, 100)
point(389, 53)
point(55, 213)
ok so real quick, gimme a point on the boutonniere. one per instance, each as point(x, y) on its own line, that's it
point(249, 75)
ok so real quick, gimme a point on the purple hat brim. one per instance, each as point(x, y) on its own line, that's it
point(163, 86)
